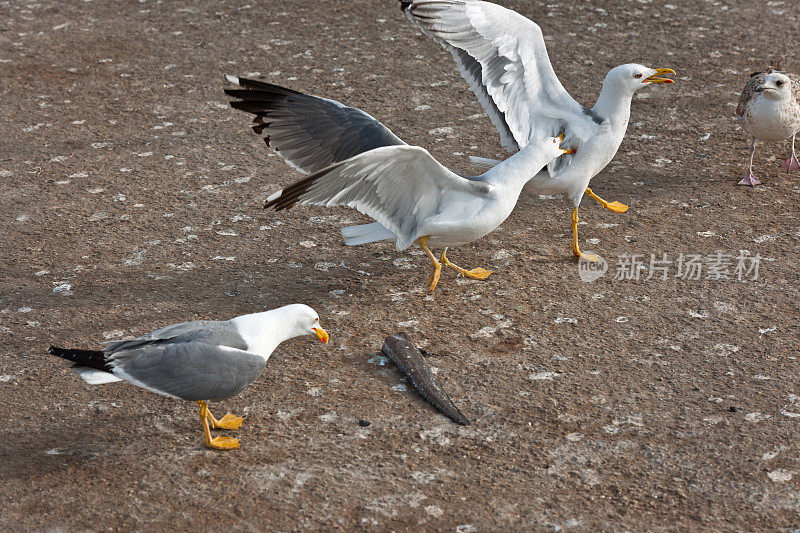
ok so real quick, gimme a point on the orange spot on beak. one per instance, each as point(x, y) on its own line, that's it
point(321, 335)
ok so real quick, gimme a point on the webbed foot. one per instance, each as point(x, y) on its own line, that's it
point(228, 421)
point(750, 180)
point(790, 164)
point(222, 443)
point(476, 273)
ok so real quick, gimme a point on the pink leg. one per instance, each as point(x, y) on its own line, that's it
point(792, 163)
point(750, 179)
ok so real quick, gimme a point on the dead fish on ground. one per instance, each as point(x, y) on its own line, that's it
point(409, 359)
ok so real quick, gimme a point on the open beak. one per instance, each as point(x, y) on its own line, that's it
point(655, 78)
point(560, 137)
point(321, 335)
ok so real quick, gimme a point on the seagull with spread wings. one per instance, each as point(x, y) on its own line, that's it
point(502, 56)
point(355, 161)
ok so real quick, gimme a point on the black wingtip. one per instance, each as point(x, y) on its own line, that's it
point(404, 5)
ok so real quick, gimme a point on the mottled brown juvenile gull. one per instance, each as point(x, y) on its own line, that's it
point(198, 361)
point(412, 197)
point(769, 109)
point(503, 57)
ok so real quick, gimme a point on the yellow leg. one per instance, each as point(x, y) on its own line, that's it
point(217, 443)
point(228, 421)
point(616, 207)
point(575, 248)
point(437, 267)
point(475, 273)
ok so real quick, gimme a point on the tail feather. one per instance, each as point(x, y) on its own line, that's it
point(91, 358)
point(92, 376)
point(364, 233)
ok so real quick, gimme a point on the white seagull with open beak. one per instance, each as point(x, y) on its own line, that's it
point(502, 56)
point(355, 161)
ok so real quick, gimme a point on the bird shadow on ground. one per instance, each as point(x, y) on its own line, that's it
point(53, 448)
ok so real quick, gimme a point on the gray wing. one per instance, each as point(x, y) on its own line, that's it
point(190, 371)
point(212, 332)
point(308, 132)
point(398, 186)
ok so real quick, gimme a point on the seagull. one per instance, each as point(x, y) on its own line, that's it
point(769, 109)
point(198, 361)
point(412, 196)
point(502, 56)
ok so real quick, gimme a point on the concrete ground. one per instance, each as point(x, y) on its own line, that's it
point(132, 196)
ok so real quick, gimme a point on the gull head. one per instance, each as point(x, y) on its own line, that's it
point(776, 86)
point(632, 77)
point(553, 145)
point(302, 320)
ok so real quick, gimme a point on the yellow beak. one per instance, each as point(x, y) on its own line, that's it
point(656, 79)
point(321, 335)
point(560, 137)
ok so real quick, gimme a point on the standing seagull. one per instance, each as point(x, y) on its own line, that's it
point(769, 109)
point(355, 161)
point(502, 56)
point(198, 361)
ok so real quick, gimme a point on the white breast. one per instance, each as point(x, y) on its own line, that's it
point(771, 120)
point(469, 218)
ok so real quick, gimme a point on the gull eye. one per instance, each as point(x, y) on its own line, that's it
point(637, 76)
point(779, 83)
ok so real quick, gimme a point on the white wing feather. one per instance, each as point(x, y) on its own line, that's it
point(398, 186)
point(503, 57)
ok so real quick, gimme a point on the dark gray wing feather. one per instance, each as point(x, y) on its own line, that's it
point(190, 371)
point(212, 332)
point(309, 132)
